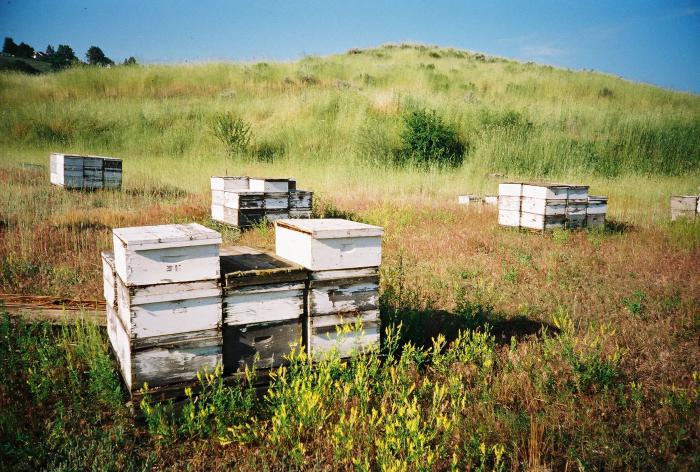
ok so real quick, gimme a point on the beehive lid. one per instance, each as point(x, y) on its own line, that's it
point(553, 185)
point(330, 228)
point(597, 198)
point(242, 265)
point(190, 234)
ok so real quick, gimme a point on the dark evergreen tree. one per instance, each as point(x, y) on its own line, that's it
point(95, 56)
point(9, 46)
point(24, 50)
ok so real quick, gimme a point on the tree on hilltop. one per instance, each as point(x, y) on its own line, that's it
point(9, 46)
point(95, 56)
point(64, 56)
point(25, 51)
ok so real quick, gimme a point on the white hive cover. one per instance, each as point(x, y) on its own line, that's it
point(328, 228)
point(139, 235)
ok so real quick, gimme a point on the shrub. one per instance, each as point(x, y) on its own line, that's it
point(233, 132)
point(427, 139)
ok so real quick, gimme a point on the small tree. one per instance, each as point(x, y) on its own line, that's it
point(64, 56)
point(130, 62)
point(25, 51)
point(96, 57)
point(9, 46)
point(427, 139)
point(50, 51)
point(233, 131)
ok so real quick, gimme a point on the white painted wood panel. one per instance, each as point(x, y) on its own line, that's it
point(343, 296)
point(263, 303)
point(299, 213)
point(269, 185)
point(331, 275)
point(109, 278)
point(300, 200)
point(325, 337)
point(245, 200)
point(166, 253)
point(327, 248)
point(510, 189)
point(553, 191)
point(121, 344)
point(577, 192)
point(491, 200)
point(150, 315)
point(508, 203)
point(217, 197)
point(229, 183)
point(543, 206)
point(509, 218)
point(541, 222)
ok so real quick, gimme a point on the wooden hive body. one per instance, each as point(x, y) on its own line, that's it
point(684, 206)
point(264, 305)
point(329, 244)
point(166, 253)
point(85, 172)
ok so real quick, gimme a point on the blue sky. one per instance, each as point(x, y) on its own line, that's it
point(655, 42)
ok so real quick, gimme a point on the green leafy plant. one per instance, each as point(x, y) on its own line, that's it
point(427, 139)
point(234, 132)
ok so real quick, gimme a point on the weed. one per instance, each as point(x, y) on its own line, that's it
point(427, 139)
point(635, 303)
point(233, 132)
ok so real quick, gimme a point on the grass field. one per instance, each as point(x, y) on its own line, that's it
point(578, 350)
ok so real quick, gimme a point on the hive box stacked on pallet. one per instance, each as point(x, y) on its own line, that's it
point(167, 323)
point(684, 206)
point(596, 211)
point(244, 201)
point(343, 259)
point(263, 308)
point(85, 172)
point(542, 206)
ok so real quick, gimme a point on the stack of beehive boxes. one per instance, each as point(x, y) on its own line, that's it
point(166, 325)
point(685, 206)
point(343, 259)
point(596, 211)
point(246, 201)
point(548, 206)
point(263, 309)
point(85, 172)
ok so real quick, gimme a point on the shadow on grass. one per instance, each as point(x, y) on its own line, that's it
point(420, 327)
point(613, 226)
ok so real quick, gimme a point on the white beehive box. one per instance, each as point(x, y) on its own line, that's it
point(162, 360)
point(166, 309)
point(66, 170)
point(334, 292)
point(542, 222)
point(510, 189)
point(541, 206)
point(491, 200)
point(329, 244)
point(555, 191)
point(509, 218)
point(109, 278)
point(509, 203)
point(264, 300)
point(329, 333)
point(597, 205)
point(268, 185)
point(149, 255)
point(229, 184)
point(467, 199)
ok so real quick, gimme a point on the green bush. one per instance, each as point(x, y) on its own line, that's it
point(233, 132)
point(427, 139)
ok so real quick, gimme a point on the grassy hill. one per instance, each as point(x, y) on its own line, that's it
point(340, 118)
point(21, 64)
point(504, 350)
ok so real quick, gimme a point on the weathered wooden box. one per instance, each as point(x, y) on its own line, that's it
point(264, 305)
point(162, 360)
point(329, 244)
point(268, 185)
point(542, 222)
point(85, 172)
point(345, 333)
point(157, 310)
point(555, 191)
point(684, 206)
point(66, 170)
point(237, 217)
point(149, 255)
point(542, 206)
point(300, 200)
point(112, 173)
point(109, 278)
point(468, 199)
point(333, 292)
point(229, 184)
